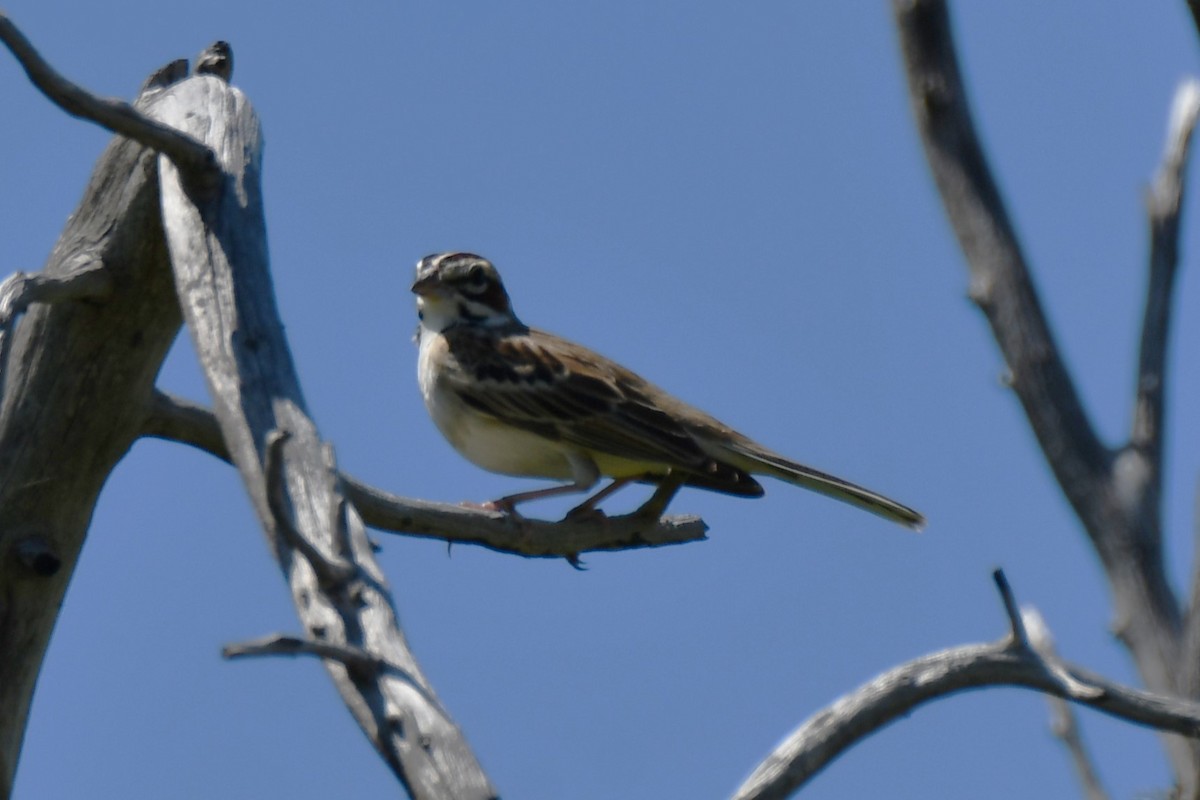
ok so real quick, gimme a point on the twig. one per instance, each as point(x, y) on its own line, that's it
point(1138, 470)
point(192, 157)
point(181, 420)
point(1164, 205)
point(1005, 662)
point(354, 659)
point(1017, 633)
point(360, 663)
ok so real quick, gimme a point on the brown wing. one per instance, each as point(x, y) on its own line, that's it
point(552, 387)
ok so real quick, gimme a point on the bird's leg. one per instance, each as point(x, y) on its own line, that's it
point(658, 502)
point(588, 509)
point(584, 472)
point(508, 503)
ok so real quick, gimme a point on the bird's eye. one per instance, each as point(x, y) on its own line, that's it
point(476, 278)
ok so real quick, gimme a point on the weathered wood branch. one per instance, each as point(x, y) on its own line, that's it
point(80, 368)
point(180, 420)
point(1111, 491)
point(218, 247)
point(1009, 661)
point(115, 115)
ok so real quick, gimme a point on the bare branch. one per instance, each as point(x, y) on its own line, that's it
point(1062, 716)
point(1108, 493)
point(180, 420)
point(1000, 281)
point(71, 400)
point(363, 665)
point(218, 248)
point(1042, 643)
point(1016, 624)
point(894, 694)
point(116, 115)
point(1138, 472)
point(1164, 205)
point(354, 659)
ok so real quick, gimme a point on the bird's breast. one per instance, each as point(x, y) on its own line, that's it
point(480, 438)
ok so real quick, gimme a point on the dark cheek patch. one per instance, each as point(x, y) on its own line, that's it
point(495, 296)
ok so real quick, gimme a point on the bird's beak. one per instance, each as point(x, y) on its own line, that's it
point(427, 286)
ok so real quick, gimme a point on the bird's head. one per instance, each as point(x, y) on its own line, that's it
point(460, 289)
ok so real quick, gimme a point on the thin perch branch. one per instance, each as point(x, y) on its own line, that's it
point(180, 420)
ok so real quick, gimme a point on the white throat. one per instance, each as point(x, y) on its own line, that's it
point(436, 314)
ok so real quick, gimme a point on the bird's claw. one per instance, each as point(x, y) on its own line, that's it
point(585, 513)
point(502, 506)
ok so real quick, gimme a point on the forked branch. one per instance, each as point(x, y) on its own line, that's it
point(1114, 492)
point(1009, 661)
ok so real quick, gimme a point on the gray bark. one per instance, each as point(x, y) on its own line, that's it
point(218, 245)
point(80, 374)
point(1114, 490)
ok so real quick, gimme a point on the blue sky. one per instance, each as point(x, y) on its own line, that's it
point(730, 199)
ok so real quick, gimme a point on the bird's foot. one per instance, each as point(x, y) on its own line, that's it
point(503, 505)
point(585, 513)
point(654, 508)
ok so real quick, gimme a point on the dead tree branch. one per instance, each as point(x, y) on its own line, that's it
point(1114, 491)
point(70, 404)
point(180, 420)
point(115, 115)
point(1009, 661)
point(218, 247)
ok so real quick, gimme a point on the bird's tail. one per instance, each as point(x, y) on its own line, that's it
point(765, 462)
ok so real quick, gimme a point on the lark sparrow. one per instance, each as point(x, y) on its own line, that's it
point(520, 401)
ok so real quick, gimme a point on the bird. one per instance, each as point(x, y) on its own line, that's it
point(521, 401)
